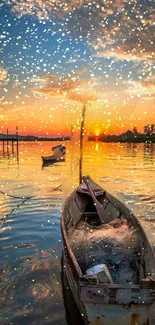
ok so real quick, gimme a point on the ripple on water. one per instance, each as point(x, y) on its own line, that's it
point(31, 291)
point(30, 281)
point(30, 239)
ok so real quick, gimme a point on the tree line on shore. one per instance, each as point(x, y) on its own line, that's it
point(148, 135)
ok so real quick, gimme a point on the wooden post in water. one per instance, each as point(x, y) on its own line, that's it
point(81, 142)
point(71, 144)
point(7, 132)
point(12, 146)
point(3, 147)
point(17, 140)
point(7, 142)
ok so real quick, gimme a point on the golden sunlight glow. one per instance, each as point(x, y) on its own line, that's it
point(97, 132)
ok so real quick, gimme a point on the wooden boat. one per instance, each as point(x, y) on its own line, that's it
point(58, 156)
point(110, 270)
point(100, 299)
point(52, 159)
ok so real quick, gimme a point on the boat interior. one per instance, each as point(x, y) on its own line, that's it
point(118, 249)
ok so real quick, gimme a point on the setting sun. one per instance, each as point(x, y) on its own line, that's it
point(97, 133)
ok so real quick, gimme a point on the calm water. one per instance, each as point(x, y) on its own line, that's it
point(30, 240)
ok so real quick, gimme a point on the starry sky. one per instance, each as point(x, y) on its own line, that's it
point(57, 55)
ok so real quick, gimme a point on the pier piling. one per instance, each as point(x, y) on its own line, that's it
point(6, 139)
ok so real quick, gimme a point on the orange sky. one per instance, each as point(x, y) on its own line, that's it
point(106, 115)
point(102, 56)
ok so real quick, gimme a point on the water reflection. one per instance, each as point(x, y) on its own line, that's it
point(30, 270)
point(73, 316)
point(132, 148)
point(9, 150)
point(149, 152)
point(30, 291)
point(52, 163)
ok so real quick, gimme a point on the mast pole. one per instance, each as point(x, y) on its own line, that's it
point(81, 142)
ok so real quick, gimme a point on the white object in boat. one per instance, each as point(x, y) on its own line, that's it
point(102, 273)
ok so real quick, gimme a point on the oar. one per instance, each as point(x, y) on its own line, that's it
point(103, 215)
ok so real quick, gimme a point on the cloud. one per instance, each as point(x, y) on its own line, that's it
point(83, 96)
point(128, 33)
point(9, 107)
point(4, 78)
point(143, 89)
point(9, 111)
point(72, 87)
point(149, 98)
point(38, 80)
point(139, 47)
point(43, 10)
point(52, 85)
point(149, 84)
point(118, 28)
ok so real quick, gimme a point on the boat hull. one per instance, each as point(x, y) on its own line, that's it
point(51, 161)
point(73, 287)
point(101, 303)
point(97, 312)
point(73, 315)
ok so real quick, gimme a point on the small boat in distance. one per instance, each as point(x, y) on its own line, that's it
point(59, 153)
